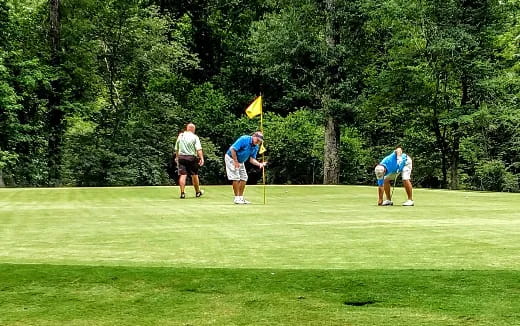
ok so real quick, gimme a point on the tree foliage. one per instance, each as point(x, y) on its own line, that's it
point(99, 97)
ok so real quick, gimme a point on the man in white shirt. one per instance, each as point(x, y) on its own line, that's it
point(189, 158)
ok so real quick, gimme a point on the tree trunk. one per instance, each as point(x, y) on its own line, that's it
point(55, 118)
point(440, 135)
point(332, 132)
point(441, 143)
point(2, 183)
point(455, 146)
point(331, 153)
point(454, 166)
point(54, 19)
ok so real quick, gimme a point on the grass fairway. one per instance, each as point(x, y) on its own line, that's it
point(314, 255)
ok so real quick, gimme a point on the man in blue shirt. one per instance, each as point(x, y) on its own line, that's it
point(387, 170)
point(243, 149)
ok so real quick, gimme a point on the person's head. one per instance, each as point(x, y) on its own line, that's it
point(398, 151)
point(380, 171)
point(190, 127)
point(258, 138)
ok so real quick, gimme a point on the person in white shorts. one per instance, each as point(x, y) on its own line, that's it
point(387, 170)
point(243, 149)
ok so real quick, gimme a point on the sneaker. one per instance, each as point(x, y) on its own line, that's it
point(238, 202)
point(199, 193)
point(387, 203)
point(183, 195)
point(408, 203)
point(246, 201)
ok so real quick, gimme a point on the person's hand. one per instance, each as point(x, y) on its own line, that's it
point(236, 164)
point(201, 162)
point(262, 165)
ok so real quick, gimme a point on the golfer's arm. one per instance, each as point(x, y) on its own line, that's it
point(233, 155)
point(255, 162)
point(176, 149)
point(201, 154)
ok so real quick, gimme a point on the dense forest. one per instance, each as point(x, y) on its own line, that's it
point(95, 92)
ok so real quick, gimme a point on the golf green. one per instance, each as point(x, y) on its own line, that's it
point(309, 255)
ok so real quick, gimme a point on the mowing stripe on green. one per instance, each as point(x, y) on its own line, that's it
point(322, 227)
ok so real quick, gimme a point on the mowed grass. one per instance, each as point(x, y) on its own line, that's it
point(313, 255)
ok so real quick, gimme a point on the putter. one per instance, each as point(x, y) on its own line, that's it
point(393, 187)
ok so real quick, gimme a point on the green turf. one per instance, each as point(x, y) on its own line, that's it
point(312, 255)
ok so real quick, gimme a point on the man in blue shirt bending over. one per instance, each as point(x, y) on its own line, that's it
point(243, 149)
point(387, 170)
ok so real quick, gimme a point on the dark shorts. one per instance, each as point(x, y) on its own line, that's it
point(188, 165)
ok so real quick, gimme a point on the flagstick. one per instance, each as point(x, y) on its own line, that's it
point(263, 179)
point(252, 111)
point(263, 155)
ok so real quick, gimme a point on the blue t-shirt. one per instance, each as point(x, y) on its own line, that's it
point(392, 165)
point(244, 148)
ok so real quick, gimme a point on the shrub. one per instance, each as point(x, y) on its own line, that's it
point(493, 176)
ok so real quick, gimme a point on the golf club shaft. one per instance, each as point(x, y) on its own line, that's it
point(393, 186)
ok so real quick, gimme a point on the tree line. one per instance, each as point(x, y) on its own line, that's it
point(94, 93)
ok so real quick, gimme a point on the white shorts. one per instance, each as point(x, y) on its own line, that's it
point(406, 173)
point(233, 173)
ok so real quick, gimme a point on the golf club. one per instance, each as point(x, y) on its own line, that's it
point(393, 186)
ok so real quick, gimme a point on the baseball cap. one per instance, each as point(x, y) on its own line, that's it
point(259, 135)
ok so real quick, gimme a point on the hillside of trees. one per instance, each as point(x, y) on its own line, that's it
point(95, 92)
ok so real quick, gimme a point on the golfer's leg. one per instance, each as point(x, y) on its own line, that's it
point(408, 187)
point(380, 192)
point(182, 182)
point(236, 187)
point(242, 187)
point(232, 174)
point(243, 179)
point(195, 181)
point(387, 189)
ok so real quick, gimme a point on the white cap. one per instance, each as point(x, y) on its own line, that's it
point(380, 171)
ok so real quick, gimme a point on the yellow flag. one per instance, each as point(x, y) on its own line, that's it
point(254, 108)
point(262, 149)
